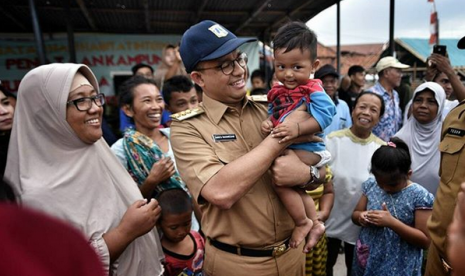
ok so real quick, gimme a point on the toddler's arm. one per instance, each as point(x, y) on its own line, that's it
point(322, 110)
point(289, 129)
point(266, 127)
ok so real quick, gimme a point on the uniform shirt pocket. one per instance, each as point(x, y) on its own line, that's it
point(451, 148)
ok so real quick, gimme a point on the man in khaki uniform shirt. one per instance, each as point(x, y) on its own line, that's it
point(224, 159)
point(452, 175)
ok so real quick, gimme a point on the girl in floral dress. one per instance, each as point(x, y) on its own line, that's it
point(392, 212)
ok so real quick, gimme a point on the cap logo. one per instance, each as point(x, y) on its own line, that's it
point(218, 30)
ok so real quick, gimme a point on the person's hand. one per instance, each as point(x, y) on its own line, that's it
point(266, 127)
point(161, 170)
point(139, 218)
point(363, 219)
point(381, 218)
point(430, 71)
point(441, 63)
point(456, 234)
point(288, 171)
point(286, 131)
point(322, 216)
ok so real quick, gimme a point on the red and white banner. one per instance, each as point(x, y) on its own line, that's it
point(434, 27)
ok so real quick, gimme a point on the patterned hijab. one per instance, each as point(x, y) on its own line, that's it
point(423, 141)
point(52, 170)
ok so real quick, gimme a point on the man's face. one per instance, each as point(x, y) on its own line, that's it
point(330, 84)
point(170, 56)
point(257, 82)
point(228, 89)
point(181, 101)
point(393, 76)
point(443, 80)
point(6, 113)
point(145, 72)
point(358, 79)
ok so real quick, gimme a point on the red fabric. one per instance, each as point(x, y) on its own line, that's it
point(283, 100)
point(176, 265)
point(35, 244)
point(433, 39)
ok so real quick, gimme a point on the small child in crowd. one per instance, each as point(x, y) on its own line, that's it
point(392, 212)
point(258, 80)
point(295, 52)
point(184, 248)
point(180, 95)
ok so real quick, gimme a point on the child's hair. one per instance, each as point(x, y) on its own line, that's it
point(296, 35)
point(174, 201)
point(392, 159)
point(383, 107)
point(354, 69)
point(136, 67)
point(258, 74)
point(6, 92)
point(126, 90)
point(178, 83)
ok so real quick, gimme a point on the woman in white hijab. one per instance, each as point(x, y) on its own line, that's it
point(422, 133)
point(58, 163)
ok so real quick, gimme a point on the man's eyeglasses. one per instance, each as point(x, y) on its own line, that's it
point(85, 103)
point(227, 67)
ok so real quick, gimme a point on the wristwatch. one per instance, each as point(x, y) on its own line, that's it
point(314, 176)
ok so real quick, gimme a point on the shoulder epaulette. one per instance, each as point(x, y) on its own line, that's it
point(259, 98)
point(180, 116)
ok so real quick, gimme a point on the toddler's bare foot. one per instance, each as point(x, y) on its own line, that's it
point(314, 236)
point(300, 232)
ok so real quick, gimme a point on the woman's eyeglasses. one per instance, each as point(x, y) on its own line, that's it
point(85, 103)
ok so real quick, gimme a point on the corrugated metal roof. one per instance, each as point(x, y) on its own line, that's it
point(363, 49)
point(243, 17)
point(422, 50)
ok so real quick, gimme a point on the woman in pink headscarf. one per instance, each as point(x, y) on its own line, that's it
point(58, 163)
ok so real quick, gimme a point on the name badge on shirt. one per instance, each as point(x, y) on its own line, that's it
point(456, 131)
point(223, 137)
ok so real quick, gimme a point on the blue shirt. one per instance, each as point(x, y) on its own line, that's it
point(388, 253)
point(391, 121)
point(342, 118)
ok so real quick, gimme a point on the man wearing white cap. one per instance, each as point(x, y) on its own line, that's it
point(390, 74)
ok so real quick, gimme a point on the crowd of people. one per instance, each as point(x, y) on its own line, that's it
point(209, 179)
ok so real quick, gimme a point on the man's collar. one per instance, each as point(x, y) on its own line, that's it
point(384, 89)
point(216, 109)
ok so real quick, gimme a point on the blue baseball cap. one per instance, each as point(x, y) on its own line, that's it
point(207, 40)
